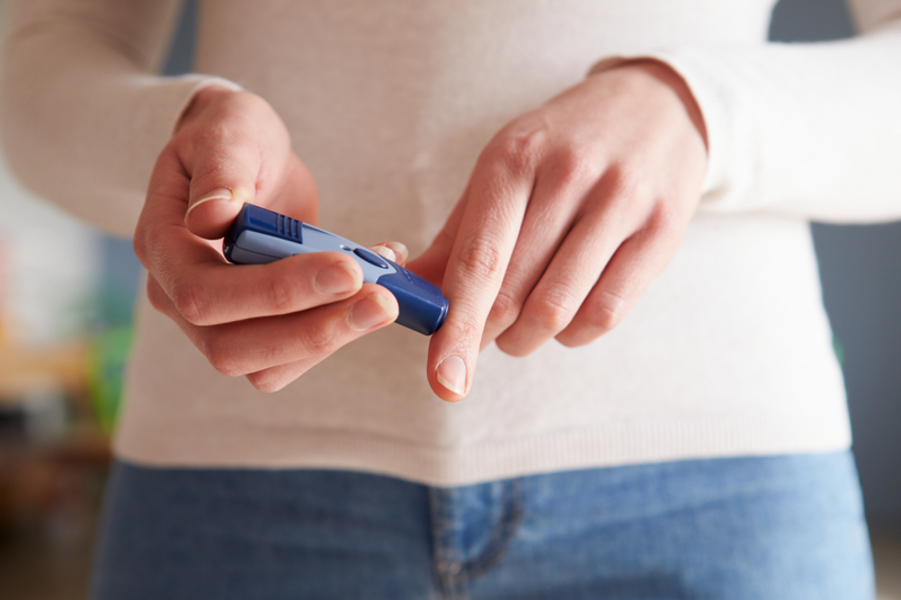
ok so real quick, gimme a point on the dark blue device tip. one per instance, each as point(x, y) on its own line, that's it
point(423, 307)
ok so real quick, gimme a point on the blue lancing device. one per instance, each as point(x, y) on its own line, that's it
point(260, 236)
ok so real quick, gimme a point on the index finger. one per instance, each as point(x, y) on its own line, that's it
point(497, 197)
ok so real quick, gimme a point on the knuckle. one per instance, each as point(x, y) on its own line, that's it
point(270, 354)
point(221, 356)
point(319, 339)
point(572, 167)
point(214, 134)
point(628, 194)
point(554, 309)
point(466, 328)
point(624, 182)
point(624, 176)
point(608, 312)
point(191, 303)
point(505, 310)
point(481, 257)
point(214, 147)
point(279, 294)
point(517, 152)
point(155, 295)
point(665, 221)
point(267, 381)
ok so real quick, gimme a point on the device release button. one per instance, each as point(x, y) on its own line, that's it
point(371, 257)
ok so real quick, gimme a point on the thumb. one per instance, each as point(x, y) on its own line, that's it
point(222, 180)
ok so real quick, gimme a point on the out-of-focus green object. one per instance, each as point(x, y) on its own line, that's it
point(107, 358)
point(839, 350)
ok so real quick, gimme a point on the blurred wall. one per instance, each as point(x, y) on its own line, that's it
point(48, 265)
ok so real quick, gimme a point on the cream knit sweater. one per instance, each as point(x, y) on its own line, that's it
point(389, 103)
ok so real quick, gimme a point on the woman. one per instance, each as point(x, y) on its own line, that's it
point(684, 433)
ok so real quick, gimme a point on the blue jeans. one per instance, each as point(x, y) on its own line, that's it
point(774, 528)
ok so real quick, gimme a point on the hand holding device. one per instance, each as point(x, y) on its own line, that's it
point(260, 236)
point(269, 323)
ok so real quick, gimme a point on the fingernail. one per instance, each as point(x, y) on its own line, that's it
point(400, 251)
point(336, 279)
point(371, 311)
point(217, 194)
point(451, 374)
point(385, 252)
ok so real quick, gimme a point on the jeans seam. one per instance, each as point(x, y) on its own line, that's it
point(500, 536)
point(446, 586)
point(449, 584)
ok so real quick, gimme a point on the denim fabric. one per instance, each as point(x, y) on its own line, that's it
point(787, 528)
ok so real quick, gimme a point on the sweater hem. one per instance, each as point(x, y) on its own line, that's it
point(601, 446)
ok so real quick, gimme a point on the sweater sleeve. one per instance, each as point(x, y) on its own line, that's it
point(83, 111)
point(810, 130)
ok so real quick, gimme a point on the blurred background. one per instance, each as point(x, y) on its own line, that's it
point(65, 327)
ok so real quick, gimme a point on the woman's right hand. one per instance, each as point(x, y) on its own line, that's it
point(270, 323)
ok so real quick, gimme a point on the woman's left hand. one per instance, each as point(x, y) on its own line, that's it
point(570, 213)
